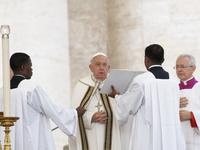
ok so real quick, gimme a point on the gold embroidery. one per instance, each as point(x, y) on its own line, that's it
point(108, 124)
point(84, 139)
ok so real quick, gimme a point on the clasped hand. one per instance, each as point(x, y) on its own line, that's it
point(99, 117)
point(184, 114)
point(183, 102)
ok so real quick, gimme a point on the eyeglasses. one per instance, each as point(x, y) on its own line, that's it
point(181, 67)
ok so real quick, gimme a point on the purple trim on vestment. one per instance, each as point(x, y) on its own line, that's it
point(189, 85)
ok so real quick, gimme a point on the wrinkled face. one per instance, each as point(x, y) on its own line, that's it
point(100, 67)
point(184, 70)
point(28, 71)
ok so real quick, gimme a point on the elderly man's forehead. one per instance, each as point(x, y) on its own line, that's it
point(100, 58)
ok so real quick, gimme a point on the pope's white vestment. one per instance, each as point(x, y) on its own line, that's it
point(95, 138)
point(192, 134)
point(33, 131)
point(154, 104)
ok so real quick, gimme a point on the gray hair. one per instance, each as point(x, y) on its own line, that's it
point(192, 61)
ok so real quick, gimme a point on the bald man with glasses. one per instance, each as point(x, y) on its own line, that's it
point(189, 101)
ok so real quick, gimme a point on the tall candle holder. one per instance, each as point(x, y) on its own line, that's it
point(5, 119)
point(1, 115)
point(7, 122)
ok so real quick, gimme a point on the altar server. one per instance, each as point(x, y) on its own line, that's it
point(153, 100)
point(35, 109)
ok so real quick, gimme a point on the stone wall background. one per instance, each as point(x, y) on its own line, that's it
point(40, 29)
point(61, 37)
point(88, 35)
point(130, 26)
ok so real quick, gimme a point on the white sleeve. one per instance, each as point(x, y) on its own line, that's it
point(128, 103)
point(196, 113)
point(197, 119)
point(65, 119)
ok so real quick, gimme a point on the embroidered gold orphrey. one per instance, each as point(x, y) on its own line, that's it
point(108, 124)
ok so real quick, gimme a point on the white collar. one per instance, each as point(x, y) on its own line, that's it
point(185, 82)
point(20, 75)
point(95, 80)
point(154, 66)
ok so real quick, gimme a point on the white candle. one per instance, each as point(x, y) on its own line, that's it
point(5, 30)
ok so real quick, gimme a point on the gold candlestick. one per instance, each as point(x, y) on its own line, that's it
point(1, 115)
point(7, 122)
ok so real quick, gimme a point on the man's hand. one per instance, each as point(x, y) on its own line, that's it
point(113, 93)
point(99, 117)
point(184, 115)
point(80, 110)
point(183, 102)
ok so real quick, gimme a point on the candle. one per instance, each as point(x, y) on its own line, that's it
point(5, 30)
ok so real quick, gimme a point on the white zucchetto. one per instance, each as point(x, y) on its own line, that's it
point(97, 54)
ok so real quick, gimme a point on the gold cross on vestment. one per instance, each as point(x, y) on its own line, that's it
point(98, 106)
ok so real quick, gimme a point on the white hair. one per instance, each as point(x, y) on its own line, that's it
point(192, 61)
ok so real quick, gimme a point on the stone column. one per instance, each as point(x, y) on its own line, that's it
point(125, 47)
point(40, 29)
point(87, 34)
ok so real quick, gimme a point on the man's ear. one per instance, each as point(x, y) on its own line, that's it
point(23, 68)
point(147, 59)
point(163, 60)
point(108, 67)
point(90, 66)
point(193, 68)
